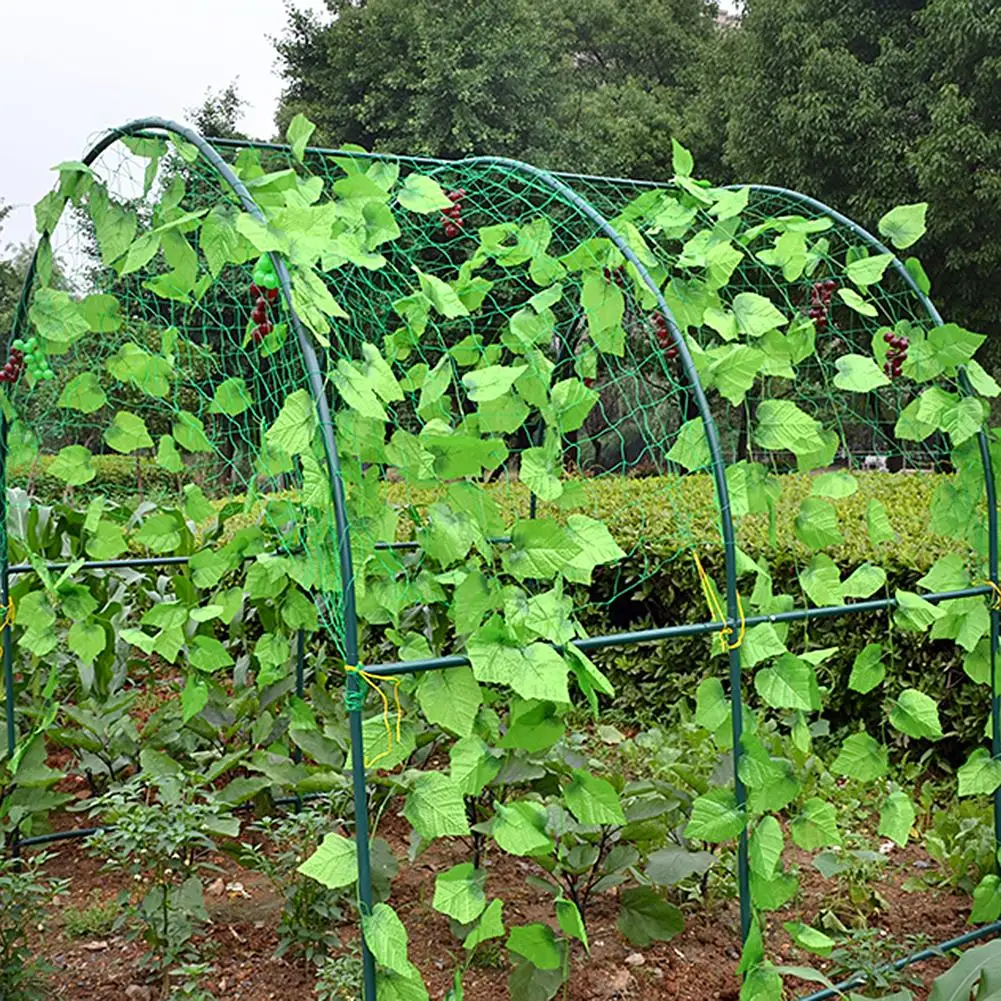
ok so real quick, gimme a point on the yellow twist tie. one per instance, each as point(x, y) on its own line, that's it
point(372, 680)
point(996, 589)
point(717, 610)
point(10, 613)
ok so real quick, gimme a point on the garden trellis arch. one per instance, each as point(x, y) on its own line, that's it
point(513, 184)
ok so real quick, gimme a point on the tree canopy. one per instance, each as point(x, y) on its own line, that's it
point(861, 105)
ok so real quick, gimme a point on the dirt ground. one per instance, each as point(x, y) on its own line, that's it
point(697, 965)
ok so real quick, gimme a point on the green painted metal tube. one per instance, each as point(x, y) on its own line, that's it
point(935, 952)
point(717, 465)
point(314, 377)
point(690, 629)
point(8, 652)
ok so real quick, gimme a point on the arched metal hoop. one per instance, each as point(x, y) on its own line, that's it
point(560, 184)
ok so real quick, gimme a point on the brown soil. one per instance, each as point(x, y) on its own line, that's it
point(697, 965)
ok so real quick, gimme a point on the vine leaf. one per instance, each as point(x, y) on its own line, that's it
point(459, 892)
point(434, 807)
point(904, 225)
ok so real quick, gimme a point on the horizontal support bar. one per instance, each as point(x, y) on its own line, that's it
point(151, 561)
point(499, 540)
point(690, 629)
point(933, 952)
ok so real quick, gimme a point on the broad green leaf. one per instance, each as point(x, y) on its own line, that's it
point(958, 982)
point(861, 758)
point(58, 318)
point(490, 925)
point(835, 485)
point(854, 301)
point(334, 863)
point(815, 826)
point(809, 938)
point(492, 382)
point(73, 466)
point(298, 132)
point(434, 807)
point(443, 298)
point(208, 654)
point(712, 708)
point(571, 922)
point(766, 847)
point(986, 907)
point(293, 429)
point(670, 865)
point(646, 918)
point(859, 374)
point(459, 893)
point(682, 161)
point(593, 801)
point(980, 775)
point(878, 523)
point(86, 638)
point(790, 684)
point(982, 381)
point(604, 306)
point(914, 613)
point(868, 270)
point(782, 425)
point(519, 828)
point(386, 937)
point(572, 401)
point(231, 398)
point(159, 533)
point(537, 943)
point(450, 698)
point(756, 315)
point(690, 448)
point(904, 225)
point(915, 714)
point(867, 670)
point(897, 817)
point(194, 697)
point(84, 393)
point(864, 581)
point(189, 432)
point(817, 524)
point(822, 581)
point(127, 432)
point(715, 817)
point(423, 194)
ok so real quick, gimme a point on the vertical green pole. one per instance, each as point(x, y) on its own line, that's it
point(300, 691)
point(8, 649)
point(992, 567)
point(8, 654)
point(718, 466)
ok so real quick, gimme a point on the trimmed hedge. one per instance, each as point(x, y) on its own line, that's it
point(659, 522)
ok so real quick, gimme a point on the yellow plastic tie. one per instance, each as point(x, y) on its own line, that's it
point(717, 610)
point(10, 614)
point(372, 680)
point(996, 589)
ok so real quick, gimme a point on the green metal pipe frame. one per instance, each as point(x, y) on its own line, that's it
point(206, 148)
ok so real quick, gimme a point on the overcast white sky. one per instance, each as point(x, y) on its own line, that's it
point(69, 69)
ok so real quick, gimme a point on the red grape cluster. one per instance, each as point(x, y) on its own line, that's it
point(11, 372)
point(896, 355)
point(820, 302)
point(664, 337)
point(617, 275)
point(452, 216)
point(259, 314)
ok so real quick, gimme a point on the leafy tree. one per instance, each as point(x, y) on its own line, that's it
point(424, 77)
point(865, 105)
point(592, 85)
